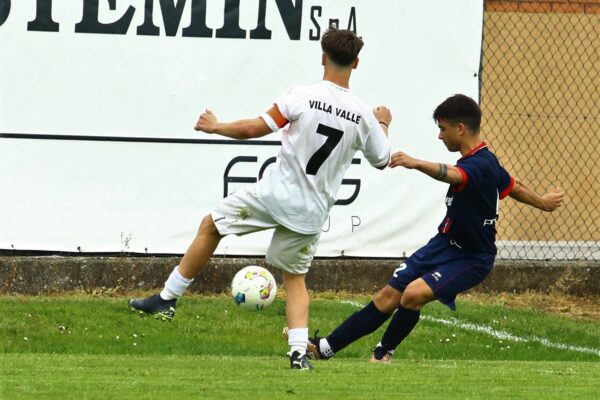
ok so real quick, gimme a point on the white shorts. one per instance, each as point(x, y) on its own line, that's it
point(242, 212)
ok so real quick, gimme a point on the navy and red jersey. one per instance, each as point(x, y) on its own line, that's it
point(472, 206)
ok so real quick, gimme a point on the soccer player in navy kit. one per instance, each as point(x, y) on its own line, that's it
point(461, 254)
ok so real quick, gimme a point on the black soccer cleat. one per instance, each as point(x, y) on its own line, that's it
point(380, 355)
point(299, 361)
point(313, 349)
point(163, 310)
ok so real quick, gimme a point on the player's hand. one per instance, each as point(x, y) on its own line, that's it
point(553, 199)
point(401, 159)
point(383, 114)
point(207, 122)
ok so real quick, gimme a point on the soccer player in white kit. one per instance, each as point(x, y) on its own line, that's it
point(323, 126)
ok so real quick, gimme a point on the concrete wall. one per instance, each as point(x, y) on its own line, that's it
point(122, 275)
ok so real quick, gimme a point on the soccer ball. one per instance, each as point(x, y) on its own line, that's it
point(253, 288)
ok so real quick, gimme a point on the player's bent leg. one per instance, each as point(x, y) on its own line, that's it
point(359, 324)
point(201, 250)
point(386, 300)
point(406, 317)
point(163, 305)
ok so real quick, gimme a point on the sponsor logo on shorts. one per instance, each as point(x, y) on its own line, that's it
point(437, 276)
point(453, 243)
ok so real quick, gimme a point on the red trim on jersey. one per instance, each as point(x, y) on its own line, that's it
point(475, 150)
point(465, 180)
point(508, 189)
point(277, 116)
point(446, 225)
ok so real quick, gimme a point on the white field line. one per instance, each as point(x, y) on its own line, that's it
point(500, 334)
point(508, 336)
point(352, 303)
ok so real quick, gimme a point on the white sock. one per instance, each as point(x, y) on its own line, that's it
point(298, 339)
point(325, 348)
point(175, 285)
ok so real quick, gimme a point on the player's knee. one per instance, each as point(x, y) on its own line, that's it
point(416, 295)
point(387, 299)
point(412, 299)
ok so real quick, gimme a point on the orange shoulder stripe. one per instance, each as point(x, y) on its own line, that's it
point(279, 119)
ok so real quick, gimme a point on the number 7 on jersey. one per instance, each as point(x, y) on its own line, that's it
point(333, 138)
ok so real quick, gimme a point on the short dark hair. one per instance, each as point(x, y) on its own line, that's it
point(341, 46)
point(459, 109)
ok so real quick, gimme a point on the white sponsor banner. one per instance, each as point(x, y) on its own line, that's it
point(98, 99)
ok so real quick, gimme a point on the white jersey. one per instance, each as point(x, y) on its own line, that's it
point(327, 126)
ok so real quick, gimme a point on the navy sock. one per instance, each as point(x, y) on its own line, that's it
point(359, 324)
point(402, 323)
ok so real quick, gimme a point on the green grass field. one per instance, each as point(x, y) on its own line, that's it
point(79, 347)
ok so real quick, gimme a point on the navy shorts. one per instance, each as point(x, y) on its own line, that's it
point(445, 267)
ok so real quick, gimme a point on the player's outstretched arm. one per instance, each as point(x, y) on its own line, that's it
point(441, 172)
point(242, 129)
point(384, 117)
point(546, 202)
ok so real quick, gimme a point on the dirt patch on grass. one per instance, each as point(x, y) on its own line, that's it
point(559, 304)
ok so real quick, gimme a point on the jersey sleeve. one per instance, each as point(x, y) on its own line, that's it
point(377, 146)
point(472, 170)
point(506, 183)
point(476, 171)
point(274, 119)
point(287, 109)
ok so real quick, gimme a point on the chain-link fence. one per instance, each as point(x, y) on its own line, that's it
point(541, 115)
